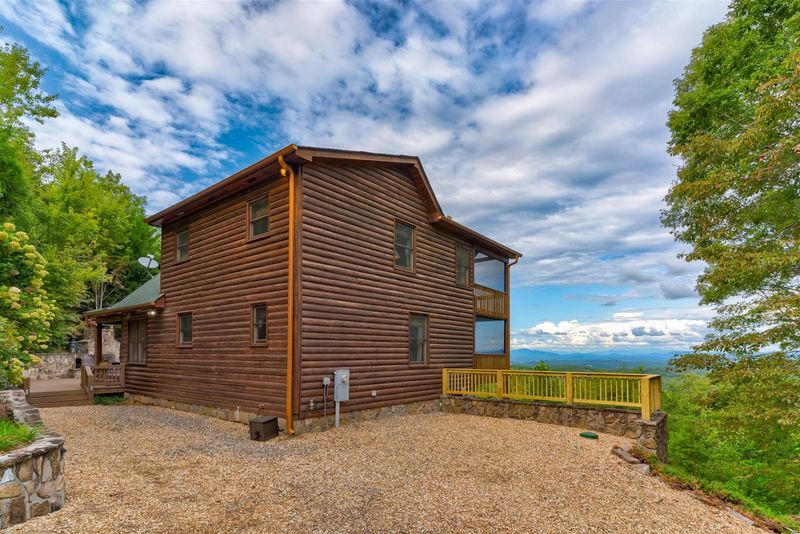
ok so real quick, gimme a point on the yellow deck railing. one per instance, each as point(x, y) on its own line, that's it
point(611, 389)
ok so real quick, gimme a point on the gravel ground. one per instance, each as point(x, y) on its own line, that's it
point(147, 469)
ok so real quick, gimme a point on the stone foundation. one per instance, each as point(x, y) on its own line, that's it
point(236, 416)
point(316, 424)
point(32, 482)
point(649, 435)
point(55, 365)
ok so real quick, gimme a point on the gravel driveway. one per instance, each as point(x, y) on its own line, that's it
point(147, 469)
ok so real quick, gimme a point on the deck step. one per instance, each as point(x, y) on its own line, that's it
point(84, 402)
point(52, 399)
point(36, 397)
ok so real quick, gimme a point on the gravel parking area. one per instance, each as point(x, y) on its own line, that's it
point(147, 469)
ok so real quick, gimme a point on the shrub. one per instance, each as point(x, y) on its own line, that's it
point(25, 309)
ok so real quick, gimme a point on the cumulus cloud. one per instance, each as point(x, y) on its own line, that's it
point(662, 328)
point(539, 124)
point(677, 290)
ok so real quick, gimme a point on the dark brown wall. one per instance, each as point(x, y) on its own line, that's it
point(356, 304)
point(223, 277)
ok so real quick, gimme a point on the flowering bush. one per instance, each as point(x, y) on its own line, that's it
point(25, 309)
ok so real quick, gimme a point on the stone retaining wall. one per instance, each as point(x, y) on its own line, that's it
point(55, 365)
point(32, 482)
point(649, 435)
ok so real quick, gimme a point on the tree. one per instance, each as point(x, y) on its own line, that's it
point(25, 308)
point(736, 201)
point(736, 127)
point(541, 366)
point(20, 98)
point(92, 229)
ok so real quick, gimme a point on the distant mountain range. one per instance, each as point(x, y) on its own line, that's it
point(601, 360)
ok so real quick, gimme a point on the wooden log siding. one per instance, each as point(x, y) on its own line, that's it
point(355, 304)
point(224, 275)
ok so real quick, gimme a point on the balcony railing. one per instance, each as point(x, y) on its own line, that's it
point(490, 302)
point(611, 389)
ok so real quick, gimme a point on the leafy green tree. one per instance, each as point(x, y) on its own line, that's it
point(541, 366)
point(92, 229)
point(20, 97)
point(88, 226)
point(25, 308)
point(736, 202)
point(736, 127)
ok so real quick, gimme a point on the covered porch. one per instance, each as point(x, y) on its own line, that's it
point(101, 373)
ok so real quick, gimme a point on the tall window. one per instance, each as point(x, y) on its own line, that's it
point(490, 335)
point(258, 325)
point(258, 218)
point(182, 245)
point(185, 329)
point(137, 341)
point(418, 339)
point(403, 245)
point(462, 265)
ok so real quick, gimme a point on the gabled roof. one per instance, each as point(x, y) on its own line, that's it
point(304, 154)
point(144, 296)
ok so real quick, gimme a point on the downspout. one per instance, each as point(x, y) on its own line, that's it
point(508, 308)
point(286, 170)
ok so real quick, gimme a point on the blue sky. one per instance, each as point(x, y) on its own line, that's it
point(540, 124)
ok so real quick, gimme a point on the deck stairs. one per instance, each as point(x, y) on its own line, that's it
point(54, 399)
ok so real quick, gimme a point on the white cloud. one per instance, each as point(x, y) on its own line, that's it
point(663, 328)
point(551, 140)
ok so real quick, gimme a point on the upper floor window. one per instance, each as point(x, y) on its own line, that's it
point(403, 245)
point(418, 339)
point(185, 329)
point(258, 218)
point(462, 265)
point(182, 245)
point(490, 272)
point(258, 326)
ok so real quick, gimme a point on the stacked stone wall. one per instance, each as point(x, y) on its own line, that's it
point(32, 481)
point(55, 365)
point(649, 435)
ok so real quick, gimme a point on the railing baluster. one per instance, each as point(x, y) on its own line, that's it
point(632, 390)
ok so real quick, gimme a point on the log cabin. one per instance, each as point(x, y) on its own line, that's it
point(308, 261)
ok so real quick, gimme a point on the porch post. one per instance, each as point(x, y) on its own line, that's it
point(507, 314)
point(98, 344)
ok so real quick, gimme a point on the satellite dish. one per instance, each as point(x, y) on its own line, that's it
point(148, 262)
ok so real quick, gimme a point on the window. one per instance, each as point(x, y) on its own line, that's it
point(462, 265)
point(137, 341)
point(418, 339)
point(185, 329)
point(182, 245)
point(403, 245)
point(490, 272)
point(258, 325)
point(258, 218)
point(490, 336)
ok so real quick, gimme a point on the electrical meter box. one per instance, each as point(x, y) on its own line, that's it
point(341, 385)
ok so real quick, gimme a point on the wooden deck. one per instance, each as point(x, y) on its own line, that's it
point(78, 391)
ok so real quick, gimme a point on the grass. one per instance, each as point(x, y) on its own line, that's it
point(679, 478)
point(105, 400)
point(13, 434)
